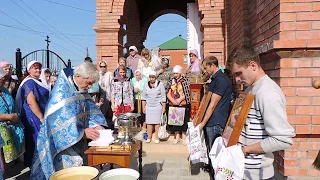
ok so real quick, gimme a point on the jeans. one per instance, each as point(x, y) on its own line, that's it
point(211, 133)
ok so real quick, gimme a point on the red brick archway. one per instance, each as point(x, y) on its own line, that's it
point(137, 15)
point(286, 33)
point(145, 26)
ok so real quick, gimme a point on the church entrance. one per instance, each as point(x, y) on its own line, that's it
point(131, 19)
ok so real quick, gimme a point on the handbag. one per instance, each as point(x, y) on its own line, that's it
point(10, 148)
point(176, 116)
point(163, 133)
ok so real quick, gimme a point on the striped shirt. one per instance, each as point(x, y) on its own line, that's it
point(266, 123)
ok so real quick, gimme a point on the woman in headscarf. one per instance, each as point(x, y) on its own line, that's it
point(145, 64)
point(164, 72)
point(179, 105)
point(154, 105)
point(195, 71)
point(121, 93)
point(45, 78)
point(53, 80)
point(138, 83)
point(156, 58)
point(11, 128)
point(10, 83)
point(31, 100)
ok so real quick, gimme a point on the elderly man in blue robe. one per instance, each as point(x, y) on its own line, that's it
point(70, 117)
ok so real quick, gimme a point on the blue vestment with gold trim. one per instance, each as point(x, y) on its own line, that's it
point(68, 113)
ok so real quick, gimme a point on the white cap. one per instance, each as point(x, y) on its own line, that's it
point(138, 70)
point(133, 48)
point(32, 63)
point(177, 69)
point(152, 73)
point(2, 73)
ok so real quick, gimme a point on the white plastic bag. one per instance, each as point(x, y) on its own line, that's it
point(196, 144)
point(163, 133)
point(228, 163)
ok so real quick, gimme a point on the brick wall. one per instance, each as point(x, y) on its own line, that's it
point(238, 30)
point(303, 112)
point(109, 32)
point(213, 28)
point(286, 33)
point(264, 20)
point(293, 25)
point(132, 21)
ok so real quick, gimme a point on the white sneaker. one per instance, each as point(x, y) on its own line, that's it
point(156, 141)
point(148, 140)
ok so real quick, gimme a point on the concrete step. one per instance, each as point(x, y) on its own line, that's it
point(165, 147)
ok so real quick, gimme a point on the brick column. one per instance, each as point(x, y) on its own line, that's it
point(110, 32)
point(289, 44)
point(133, 25)
point(286, 33)
point(213, 29)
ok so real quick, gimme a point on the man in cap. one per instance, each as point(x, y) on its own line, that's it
point(133, 58)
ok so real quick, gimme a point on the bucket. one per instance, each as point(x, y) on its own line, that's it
point(76, 173)
point(120, 174)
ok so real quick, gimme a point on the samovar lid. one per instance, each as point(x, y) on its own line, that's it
point(128, 116)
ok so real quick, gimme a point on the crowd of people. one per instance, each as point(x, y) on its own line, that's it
point(49, 119)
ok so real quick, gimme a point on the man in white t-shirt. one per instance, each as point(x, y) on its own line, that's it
point(266, 129)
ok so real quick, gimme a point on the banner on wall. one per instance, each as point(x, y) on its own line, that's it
point(195, 36)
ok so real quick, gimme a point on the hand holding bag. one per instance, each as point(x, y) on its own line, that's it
point(163, 134)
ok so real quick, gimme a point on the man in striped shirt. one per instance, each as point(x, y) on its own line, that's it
point(266, 129)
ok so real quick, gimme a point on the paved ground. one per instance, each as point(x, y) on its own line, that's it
point(155, 167)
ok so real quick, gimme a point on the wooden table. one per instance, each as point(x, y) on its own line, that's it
point(122, 158)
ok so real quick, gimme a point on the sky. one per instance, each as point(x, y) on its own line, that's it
point(25, 24)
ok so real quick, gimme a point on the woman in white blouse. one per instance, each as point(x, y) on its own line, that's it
point(145, 65)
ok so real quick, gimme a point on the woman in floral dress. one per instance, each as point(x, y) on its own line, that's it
point(179, 99)
point(121, 93)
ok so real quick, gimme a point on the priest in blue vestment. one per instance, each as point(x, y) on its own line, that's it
point(70, 116)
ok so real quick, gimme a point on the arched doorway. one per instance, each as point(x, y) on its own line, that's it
point(132, 18)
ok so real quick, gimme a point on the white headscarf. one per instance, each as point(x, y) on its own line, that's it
point(43, 79)
point(156, 58)
point(31, 63)
point(138, 70)
point(177, 69)
point(133, 48)
point(152, 73)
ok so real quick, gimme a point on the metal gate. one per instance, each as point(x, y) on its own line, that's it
point(47, 58)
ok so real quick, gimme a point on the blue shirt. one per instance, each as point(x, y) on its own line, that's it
point(220, 85)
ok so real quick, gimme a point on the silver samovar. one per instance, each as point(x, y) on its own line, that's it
point(126, 121)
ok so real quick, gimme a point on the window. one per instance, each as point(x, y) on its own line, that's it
point(185, 59)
